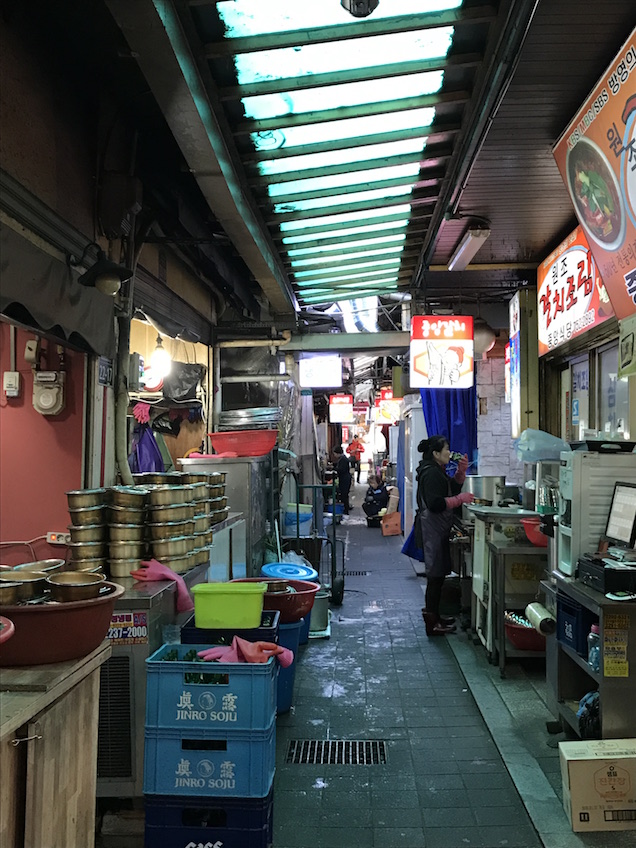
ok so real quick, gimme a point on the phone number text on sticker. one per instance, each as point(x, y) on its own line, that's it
point(128, 628)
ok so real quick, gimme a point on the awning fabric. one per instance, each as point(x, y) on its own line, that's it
point(39, 290)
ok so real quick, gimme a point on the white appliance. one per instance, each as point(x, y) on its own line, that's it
point(586, 484)
point(414, 432)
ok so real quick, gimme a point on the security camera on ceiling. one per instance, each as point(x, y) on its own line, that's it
point(360, 8)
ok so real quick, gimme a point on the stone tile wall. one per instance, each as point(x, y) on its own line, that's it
point(496, 454)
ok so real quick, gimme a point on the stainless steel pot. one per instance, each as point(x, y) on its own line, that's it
point(127, 532)
point(484, 487)
point(163, 514)
point(129, 496)
point(87, 515)
point(80, 498)
point(88, 533)
point(88, 550)
point(126, 515)
point(171, 495)
point(31, 584)
point(175, 547)
point(126, 550)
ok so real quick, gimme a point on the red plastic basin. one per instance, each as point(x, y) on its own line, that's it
point(292, 605)
point(244, 442)
point(531, 526)
point(50, 633)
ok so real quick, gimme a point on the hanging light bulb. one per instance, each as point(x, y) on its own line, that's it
point(160, 360)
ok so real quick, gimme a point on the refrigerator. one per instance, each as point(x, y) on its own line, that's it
point(414, 432)
point(586, 485)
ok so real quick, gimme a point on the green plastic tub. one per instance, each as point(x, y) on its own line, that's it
point(228, 604)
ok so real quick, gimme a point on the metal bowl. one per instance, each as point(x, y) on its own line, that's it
point(81, 498)
point(9, 592)
point(88, 533)
point(200, 477)
point(127, 532)
point(217, 490)
point(89, 564)
point(88, 550)
point(126, 550)
point(31, 584)
point(179, 564)
point(201, 556)
point(200, 492)
point(170, 529)
point(126, 515)
point(168, 514)
point(201, 522)
point(171, 495)
point(175, 547)
point(123, 567)
point(74, 586)
point(87, 515)
point(217, 478)
point(218, 516)
point(86, 569)
point(129, 496)
point(47, 565)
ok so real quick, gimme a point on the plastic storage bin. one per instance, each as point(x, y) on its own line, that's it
point(573, 623)
point(190, 696)
point(288, 637)
point(233, 764)
point(298, 524)
point(267, 632)
point(223, 605)
point(232, 822)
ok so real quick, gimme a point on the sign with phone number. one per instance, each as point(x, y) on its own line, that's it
point(129, 628)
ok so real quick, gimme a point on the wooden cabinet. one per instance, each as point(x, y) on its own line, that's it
point(48, 753)
point(616, 679)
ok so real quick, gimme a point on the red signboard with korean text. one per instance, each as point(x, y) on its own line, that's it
point(442, 352)
point(570, 292)
point(341, 409)
point(597, 158)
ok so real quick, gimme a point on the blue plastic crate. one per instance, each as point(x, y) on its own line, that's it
point(189, 696)
point(573, 623)
point(232, 822)
point(267, 632)
point(236, 764)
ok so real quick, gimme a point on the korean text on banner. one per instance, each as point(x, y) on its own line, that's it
point(596, 156)
point(442, 352)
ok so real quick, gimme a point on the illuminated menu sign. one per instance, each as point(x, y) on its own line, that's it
point(596, 156)
point(515, 365)
point(507, 374)
point(341, 409)
point(442, 352)
point(571, 295)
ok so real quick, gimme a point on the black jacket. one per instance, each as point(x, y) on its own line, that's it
point(433, 486)
point(342, 469)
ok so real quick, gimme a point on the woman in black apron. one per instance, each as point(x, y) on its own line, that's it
point(437, 496)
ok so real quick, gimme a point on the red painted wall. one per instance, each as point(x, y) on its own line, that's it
point(40, 455)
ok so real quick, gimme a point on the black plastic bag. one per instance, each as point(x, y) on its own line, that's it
point(181, 383)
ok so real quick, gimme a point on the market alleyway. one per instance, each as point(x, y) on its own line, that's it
point(452, 778)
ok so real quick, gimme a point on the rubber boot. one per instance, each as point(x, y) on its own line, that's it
point(434, 626)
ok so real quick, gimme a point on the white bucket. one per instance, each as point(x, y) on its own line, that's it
point(320, 611)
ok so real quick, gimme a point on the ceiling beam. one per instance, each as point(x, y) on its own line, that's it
point(426, 197)
point(326, 228)
point(336, 240)
point(353, 30)
point(349, 342)
point(361, 256)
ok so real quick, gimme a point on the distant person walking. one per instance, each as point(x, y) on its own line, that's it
point(355, 450)
point(341, 467)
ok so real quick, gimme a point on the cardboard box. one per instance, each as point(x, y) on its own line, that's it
point(394, 499)
point(599, 784)
point(391, 524)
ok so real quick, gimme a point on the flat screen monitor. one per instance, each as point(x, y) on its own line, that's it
point(621, 521)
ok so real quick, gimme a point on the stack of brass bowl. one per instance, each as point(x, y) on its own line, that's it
point(171, 525)
point(127, 546)
point(88, 527)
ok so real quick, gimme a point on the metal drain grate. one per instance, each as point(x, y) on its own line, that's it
point(357, 573)
point(337, 752)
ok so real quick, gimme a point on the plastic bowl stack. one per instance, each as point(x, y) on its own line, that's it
point(88, 529)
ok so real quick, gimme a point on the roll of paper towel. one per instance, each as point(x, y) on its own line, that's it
point(540, 618)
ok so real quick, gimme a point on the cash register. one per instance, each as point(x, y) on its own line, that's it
point(613, 568)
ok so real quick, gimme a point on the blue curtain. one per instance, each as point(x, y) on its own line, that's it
point(399, 470)
point(452, 413)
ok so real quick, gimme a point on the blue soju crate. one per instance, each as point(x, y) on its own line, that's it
point(267, 632)
point(195, 695)
point(232, 822)
point(232, 764)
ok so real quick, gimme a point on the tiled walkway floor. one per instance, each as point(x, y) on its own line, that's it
point(448, 781)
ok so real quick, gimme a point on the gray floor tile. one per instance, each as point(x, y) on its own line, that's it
point(401, 837)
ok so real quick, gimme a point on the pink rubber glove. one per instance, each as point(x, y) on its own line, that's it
point(458, 500)
point(154, 571)
point(252, 652)
point(462, 467)
point(141, 412)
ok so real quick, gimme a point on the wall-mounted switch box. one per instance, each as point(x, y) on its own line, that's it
point(11, 383)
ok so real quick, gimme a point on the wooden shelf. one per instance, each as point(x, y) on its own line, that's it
point(580, 661)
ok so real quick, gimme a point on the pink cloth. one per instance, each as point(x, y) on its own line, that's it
point(458, 500)
point(154, 571)
point(252, 652)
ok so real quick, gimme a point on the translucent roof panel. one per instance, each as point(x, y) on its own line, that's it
point(344, 217)
point(343, 277)
point(367, 152)
point(346, 245)
point(343, 257)
point(319, 203)
point(339, 96)
point(258, 17)
point(345, 233)
point(411, 169)
point(376, 263)
point(368, 125)
point(309, 59)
